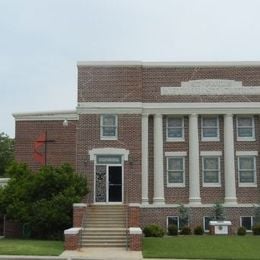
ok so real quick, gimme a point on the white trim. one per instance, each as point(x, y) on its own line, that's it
point(175, 185)
point(246, 153)
point(135, 231)
point(192, 205)
point(72, 231)
point(108, 151)
point(210, 153)
point(247, 184)
point(209, 139)
point(204, 223)
point(246, 139)
point(107, 138)
point(175, 139)
point(252, 222)
point(176, 154)
point(166, 108)
point(169, 64)
point(211, 184)
point(47, 116)
point(79, 205)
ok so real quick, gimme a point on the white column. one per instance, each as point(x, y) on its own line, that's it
point(229, 160)
point(145, 159)
point(194, 165)
point(158, 160)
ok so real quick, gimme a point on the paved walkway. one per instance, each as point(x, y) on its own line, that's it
point(103, 254)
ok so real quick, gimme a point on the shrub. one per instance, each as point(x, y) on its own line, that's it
point(172, 230)
point(153, 230)
point(241, 231)
point(198, 230)
point(256, 230)
point(185, 231)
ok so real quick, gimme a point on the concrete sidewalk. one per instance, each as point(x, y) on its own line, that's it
point(103, 254)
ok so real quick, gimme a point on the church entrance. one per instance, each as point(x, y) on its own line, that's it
point(108, 179)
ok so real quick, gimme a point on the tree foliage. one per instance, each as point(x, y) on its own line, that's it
point(219, 212)
point(6, 152)
point(42, 200)
point(183, 216)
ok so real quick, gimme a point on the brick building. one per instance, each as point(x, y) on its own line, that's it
point(157, 135)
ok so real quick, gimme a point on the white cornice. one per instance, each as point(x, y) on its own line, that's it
point(170, 64)
point(47, 116)
point(168, 108)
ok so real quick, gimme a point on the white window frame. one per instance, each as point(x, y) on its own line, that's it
point(252, 222)
point(175, 139)
point(209, 139)
point(246, 154)
point(204, 223)
point(102, 137)
point(178, 221)
point(211, 154)
point(175, 155)
point(246, 139)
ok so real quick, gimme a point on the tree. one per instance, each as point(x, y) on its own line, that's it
point(42, 200)
point(183, 216)
point(219, 212)
point(6, 152)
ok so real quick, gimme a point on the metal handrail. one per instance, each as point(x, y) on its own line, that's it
point(127, 211)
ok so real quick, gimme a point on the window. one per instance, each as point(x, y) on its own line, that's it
point(247, 170)
point(173, 220)
point(176, 171)
point(175, 129)
point(209, 128)
point(108, 127)
point(211, 171)
point(206, 221)
point(245, 128)
point(247, 222)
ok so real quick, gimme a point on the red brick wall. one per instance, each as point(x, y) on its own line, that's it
point(62, 150)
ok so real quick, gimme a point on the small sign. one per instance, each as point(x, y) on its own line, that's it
point(109, 159)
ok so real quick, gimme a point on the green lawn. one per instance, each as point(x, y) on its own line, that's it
point(203, 247)
point(30, 247)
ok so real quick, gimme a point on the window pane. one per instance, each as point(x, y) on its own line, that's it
point(246, 222)
point(175, 163)
point(247, 176)
point(174, 122)
point(206, 223)
point(246, 163)
point(173, 221)
point(175, 132)
point(245, 132)
point(210, 132)
point(211, 163)
point(109, 131)
point(109, 120)
point(210, 122)
point(175, 177)
point(245, 121)
point(211, 177)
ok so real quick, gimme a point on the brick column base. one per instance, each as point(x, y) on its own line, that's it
point(71, 241)
point(134, 215)
point(78, 213)
point(135, 239)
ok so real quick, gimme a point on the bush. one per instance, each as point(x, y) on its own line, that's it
point(256, 230)
point(185, 231)
point(198, 230)
point(241, 231)
point(172, 230)
point(153, 230)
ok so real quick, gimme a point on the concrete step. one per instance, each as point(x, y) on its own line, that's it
point(103, 245)
point(103, 237)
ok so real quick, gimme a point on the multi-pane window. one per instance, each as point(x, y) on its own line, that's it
point(247, 170)
point(173, 220)
point(176, 171)
point(206, 221)
point(247, 222)
point(209, 128)
point(108, 127)
point(211, 170)
point(175, 129)
point(245, 128)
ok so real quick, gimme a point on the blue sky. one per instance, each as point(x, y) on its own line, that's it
point(41, 42)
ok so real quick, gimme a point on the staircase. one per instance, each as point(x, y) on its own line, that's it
point(104, 226)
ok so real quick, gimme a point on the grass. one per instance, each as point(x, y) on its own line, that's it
point(203, 247)
point(30, 247)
